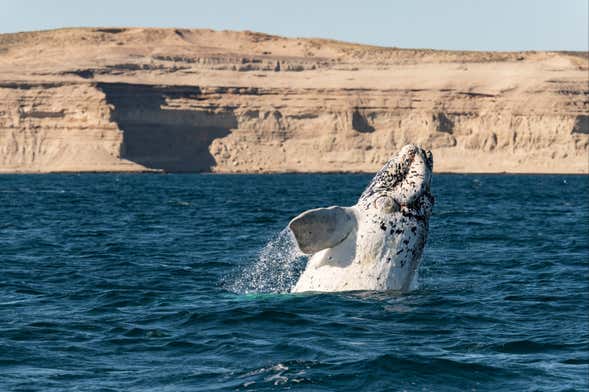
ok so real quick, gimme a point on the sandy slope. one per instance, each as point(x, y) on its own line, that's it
point(201, 100)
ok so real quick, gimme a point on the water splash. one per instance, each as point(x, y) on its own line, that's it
point(276, 270)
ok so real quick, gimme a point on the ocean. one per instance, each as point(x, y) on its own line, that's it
point(179, 282)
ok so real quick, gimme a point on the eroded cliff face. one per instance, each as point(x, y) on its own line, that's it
point(56, 127)
point(187, 100)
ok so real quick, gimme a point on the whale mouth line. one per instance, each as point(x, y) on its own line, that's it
point(404, 179)
point(409, 162)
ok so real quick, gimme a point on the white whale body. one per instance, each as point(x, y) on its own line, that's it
point(376, 244)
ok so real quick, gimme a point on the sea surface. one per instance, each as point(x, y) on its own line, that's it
point(143, 282)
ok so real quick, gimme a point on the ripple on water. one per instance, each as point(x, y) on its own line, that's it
point(178, 283)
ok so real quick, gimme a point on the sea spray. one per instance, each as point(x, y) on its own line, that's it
point(276, 270)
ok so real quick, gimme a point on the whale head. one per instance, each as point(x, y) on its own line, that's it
point(404, 181)
point(376, 244)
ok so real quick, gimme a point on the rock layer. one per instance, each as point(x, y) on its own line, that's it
point(200, 100)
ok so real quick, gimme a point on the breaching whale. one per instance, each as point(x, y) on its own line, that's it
point(376, 244)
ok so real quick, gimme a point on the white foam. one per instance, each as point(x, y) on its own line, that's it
point(276, 269)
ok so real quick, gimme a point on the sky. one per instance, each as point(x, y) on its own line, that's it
point(443, 24)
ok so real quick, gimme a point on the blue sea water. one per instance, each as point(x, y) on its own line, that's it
point(119, 282)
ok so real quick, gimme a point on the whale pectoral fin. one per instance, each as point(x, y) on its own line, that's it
point(322, 228)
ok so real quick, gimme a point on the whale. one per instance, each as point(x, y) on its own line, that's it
point(376, 244)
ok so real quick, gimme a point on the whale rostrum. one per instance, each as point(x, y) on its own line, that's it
point(376, 244)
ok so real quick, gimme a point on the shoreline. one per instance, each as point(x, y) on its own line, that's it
point(265, 173)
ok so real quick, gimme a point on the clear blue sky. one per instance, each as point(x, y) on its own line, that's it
point(442, 24)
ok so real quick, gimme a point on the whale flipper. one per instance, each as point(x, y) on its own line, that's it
point(322, 228)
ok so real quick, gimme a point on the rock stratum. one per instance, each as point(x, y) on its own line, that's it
point(135, 99)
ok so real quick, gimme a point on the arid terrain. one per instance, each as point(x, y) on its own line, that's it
point(135, 99)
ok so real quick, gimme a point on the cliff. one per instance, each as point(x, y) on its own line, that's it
point(201, 100)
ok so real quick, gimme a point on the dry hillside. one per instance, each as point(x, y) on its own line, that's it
point(132, 99)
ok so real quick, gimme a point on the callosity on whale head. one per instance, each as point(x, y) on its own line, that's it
point(376, 244)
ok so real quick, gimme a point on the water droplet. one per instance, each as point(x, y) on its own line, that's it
point(276, 270)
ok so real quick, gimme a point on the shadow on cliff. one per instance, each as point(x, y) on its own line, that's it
point(159, 136)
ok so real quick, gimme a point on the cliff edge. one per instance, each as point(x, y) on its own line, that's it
point(135, 99)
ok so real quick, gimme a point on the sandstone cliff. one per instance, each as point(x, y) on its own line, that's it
point(201, 100)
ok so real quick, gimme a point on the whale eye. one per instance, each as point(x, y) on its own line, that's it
point(386, 204)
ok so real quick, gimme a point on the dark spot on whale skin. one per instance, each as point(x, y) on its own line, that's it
point(400, 251)
point(383, 226)
point(398, 231)
point(409, 214)
point(402, 263)
point(406, 242)
point(413, 229)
